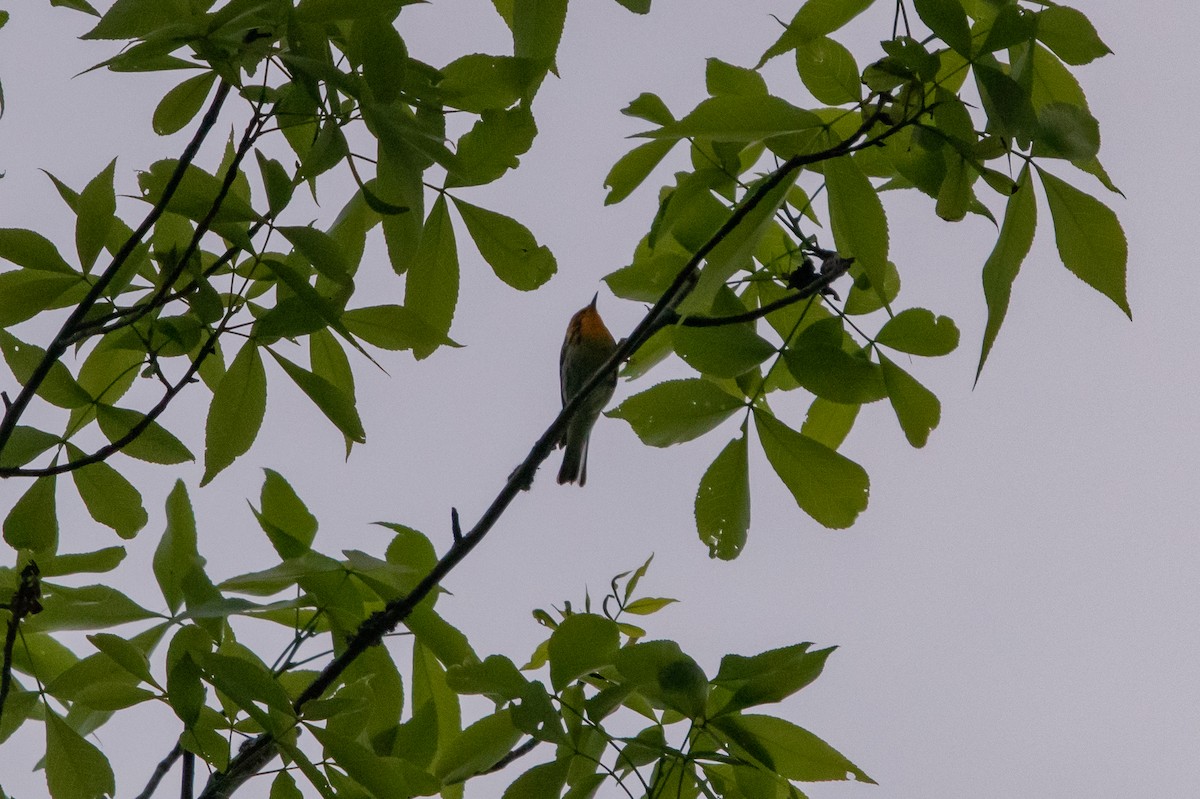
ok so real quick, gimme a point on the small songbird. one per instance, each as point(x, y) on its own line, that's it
point(587, 345)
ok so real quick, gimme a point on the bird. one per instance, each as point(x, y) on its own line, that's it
point(587, 345)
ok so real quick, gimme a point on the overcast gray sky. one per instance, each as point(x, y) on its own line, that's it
point(1016, 609)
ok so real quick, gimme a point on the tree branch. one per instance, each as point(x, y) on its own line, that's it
point(160, 771)
point(372, 631)
point(163, 293)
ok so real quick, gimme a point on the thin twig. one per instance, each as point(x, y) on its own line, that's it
point(160, 771)
point(504, 762)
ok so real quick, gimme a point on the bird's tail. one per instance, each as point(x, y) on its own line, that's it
point(574, 462)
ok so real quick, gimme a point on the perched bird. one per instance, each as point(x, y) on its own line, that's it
point(587, 345)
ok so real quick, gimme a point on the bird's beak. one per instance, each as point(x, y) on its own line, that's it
point(592, 304)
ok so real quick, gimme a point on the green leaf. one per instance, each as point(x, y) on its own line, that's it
point(410, 548)
point(337, 406)
point(1067, 131)
point(75, 768)
point(632, 169)
point(723, 501)
point(1007, 103)
point(126, 654)
point(1000, 270)
point(508, 247)
point(185, 689)
point(247, 683)
point(113, 365)
point(665, 676)
point(723, 78)
point(328, 359)
point(102, 560)
point(583, 643)
point(644, 606)
point(649, 107)
point(196, 194)
point(721, 351)
point(1012, 25)
point(954, 195)
point(32, 251)
point(284, 787)
point(479, 82)
point(1052, 82)
point(58, 388)
point(917, 332)
point(497, 677)
point(303, 313)
point(284, 517)
point(96, 208)
point(547, 780)
point(768, 677)
point(825, 484)
point(477, 748)
point(1070, 35)
point(133, 19)
point(24, 293)
point(155, 444)
point(948, 20)
point(738, 118)
point(676, 411)
point(385, 60)
point(321, 250)
point(236, 413)
point(857, 219)
point(88, 607)
point(815, 18)
point(393, 327)
point(276, 182)
point(109, 497)
point(917, 408)
point(829, 71)
point(1090, 240)
point(829, 422)
point(32, 522)
point(819, 363)
point(431, 289)
point(384, 777)
point(25, 444)
point(182, 103)
point(791, 751)
point(176, 557)
point(443, 639)
point(492, 146)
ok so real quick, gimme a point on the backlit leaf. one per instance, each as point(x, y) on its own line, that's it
point(826, 485)
point(236, 413)
point(676, 411)
point(917, 408)
point(32, 522)
point(1089, 237)
point(508, 247)
point(723, 501)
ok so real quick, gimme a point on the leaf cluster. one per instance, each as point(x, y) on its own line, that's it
point(215, 278)
point(813, 178)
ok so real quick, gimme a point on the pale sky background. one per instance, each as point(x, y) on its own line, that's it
point(1016, 610)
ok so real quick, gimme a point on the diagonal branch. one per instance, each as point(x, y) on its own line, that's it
point(256, 752)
